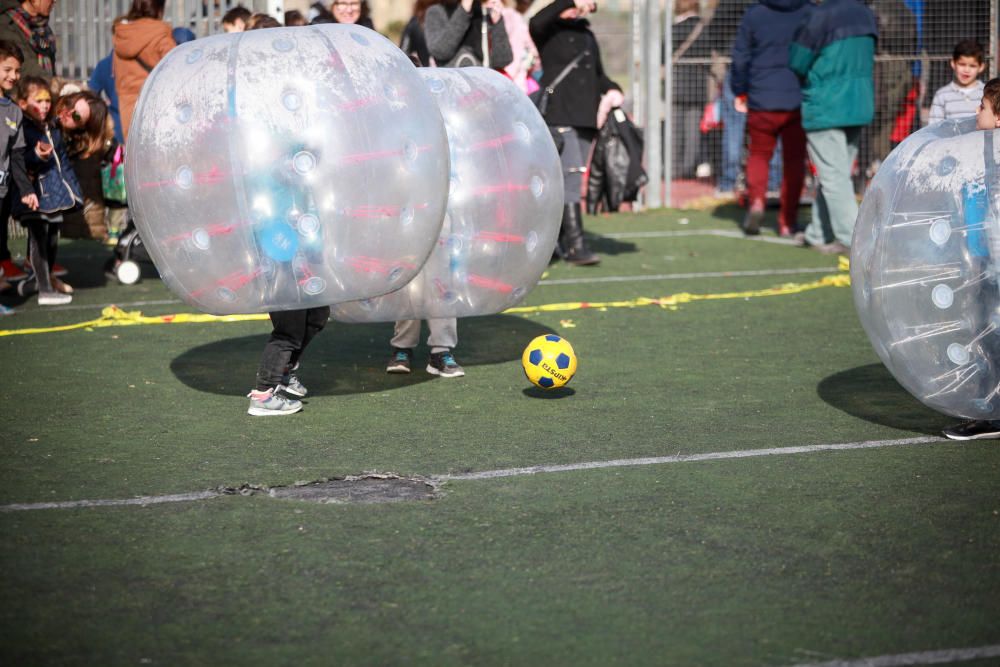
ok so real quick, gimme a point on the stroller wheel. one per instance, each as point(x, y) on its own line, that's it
point(128, 272)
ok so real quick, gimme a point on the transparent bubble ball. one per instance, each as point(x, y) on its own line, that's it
point(924, 265)
point(504, 205)
point(287, 168)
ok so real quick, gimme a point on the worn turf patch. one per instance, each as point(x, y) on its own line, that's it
point(366, 489)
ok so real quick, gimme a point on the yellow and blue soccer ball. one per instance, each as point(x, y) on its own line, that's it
point(549, 361)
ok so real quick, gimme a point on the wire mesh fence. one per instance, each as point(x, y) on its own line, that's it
point(693, 133)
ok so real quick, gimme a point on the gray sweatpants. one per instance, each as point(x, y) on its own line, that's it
point(443, 334)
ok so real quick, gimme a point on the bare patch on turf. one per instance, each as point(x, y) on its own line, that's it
point(368, 488)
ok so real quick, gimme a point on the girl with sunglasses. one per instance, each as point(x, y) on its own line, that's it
point(55, 185)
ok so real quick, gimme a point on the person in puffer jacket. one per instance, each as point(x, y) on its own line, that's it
point(56, 186)
point(833, 53)
point(769, 92)
point(141, 38)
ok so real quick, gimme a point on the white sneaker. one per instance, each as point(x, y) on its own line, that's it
point(54, 299)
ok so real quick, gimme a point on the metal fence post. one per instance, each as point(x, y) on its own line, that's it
point(654, 105)
point(637, 76)
point(668, 103)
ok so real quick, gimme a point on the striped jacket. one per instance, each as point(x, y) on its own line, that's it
point(953, 101)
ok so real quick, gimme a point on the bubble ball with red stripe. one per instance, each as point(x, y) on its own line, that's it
point(287, 168)
point(505, 205)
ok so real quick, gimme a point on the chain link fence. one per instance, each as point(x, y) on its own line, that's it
point(684, 155)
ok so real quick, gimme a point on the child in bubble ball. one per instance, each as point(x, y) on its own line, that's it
point(987, 118)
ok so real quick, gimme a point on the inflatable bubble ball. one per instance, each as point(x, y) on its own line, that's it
point(287, 168)
point(925, 262)
point(504, 205)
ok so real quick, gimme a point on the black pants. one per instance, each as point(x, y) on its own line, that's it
point(293, 329)
point(43, 240)
point(4, 221)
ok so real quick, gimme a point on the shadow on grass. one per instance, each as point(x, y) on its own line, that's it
point(871, 393)
point(604, 245)
point(559, 392)
point(351, 358)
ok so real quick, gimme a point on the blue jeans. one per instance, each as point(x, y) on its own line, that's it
point(734, 126)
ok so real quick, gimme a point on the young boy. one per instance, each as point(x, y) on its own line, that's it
point(988, 118)
point(278, 388)
point(11, 158)
point(960, 98)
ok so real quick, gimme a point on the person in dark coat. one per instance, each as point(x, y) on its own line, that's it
point(770, 93)
point(413, 42)
point(577, 106)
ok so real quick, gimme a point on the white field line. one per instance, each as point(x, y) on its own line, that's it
point(686, 458)
point(514, 472)
point(726, 233)
point(689, 276)
point(941, 657)
point(113, 502)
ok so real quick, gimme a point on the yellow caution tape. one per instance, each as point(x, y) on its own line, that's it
point(113, 316)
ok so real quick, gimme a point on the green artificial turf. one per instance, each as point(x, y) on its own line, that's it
point(772, 560)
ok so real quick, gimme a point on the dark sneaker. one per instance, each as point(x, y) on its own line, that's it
point(752, 220)
point(973, 430)
point(400, 361)
point(444, 364)
point(271, 403)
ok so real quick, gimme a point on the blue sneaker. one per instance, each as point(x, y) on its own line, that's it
point(444, 364)
point(6, 310)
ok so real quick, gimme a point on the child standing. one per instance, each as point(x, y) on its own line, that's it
point(278, 387)
point(11, 158)
point(55, 186)
point(960, 98)
point(987, 118)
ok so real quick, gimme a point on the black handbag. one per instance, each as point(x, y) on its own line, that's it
point(540, 98)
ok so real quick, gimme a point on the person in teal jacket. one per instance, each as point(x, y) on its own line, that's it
point(833, 53)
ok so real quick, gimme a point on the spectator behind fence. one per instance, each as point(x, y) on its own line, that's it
point(961, 98)
point(833, 53)
point(690, 87)
point(525, 56)
point(55, 186)
point(141, 38)
point(894, 80)
point(459, 34)
point(236, 19)
point(413, 42)
point(11, 160)
point(261, 21)
point(26, 24)
point(352, 11)
point(89, 134)
point(720, 34)
point(295, 18)
point(577, 106)
point(770, 94)
point(454, 32)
